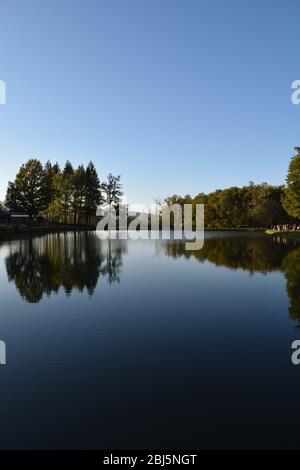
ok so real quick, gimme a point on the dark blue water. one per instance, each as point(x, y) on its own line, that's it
point(141, 344)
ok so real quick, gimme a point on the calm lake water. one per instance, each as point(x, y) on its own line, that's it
point(141, 344)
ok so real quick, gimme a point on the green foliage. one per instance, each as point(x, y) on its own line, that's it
point(69, 196)
point(29, 191)
point(73, 195)
point(291, 199)
point(78, 189)
point(92, 194)
point(254, 205)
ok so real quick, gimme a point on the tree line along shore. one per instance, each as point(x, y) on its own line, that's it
point(54, 196)
point(69, 197)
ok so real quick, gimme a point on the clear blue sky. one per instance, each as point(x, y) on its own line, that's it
point(179, 96)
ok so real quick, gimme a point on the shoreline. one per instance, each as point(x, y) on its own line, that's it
point(284, 234)
point(8, 231)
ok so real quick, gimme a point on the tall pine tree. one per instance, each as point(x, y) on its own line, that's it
point(291, 200)
point(92, 195)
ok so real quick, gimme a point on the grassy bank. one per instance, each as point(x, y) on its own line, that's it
point(286, 234)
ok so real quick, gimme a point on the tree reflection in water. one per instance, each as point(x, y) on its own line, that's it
point(42, 265)
point(72, 260)
point(253, 253)
point(113, 261)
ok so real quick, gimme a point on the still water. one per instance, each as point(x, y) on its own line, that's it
point(141, 344)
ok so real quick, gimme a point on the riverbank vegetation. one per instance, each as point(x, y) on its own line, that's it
point(69, 196)
point(72, 195)
point(253, 205)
